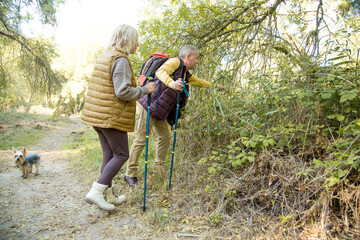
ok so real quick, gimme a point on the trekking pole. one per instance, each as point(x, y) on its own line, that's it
point(173, 148)
point(147, 143)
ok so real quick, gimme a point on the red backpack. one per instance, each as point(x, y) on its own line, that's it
point(151, 65)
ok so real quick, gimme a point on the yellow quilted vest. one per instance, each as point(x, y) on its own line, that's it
point(102, 108)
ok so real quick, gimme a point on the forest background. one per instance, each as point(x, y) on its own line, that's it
point(276, 154)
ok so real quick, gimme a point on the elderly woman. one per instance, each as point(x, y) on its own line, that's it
point(110, 108)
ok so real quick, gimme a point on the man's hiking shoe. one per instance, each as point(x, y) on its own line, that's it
point(132, 181)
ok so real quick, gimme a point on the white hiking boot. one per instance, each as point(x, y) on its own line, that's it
point(96, 196)
point(113, 199)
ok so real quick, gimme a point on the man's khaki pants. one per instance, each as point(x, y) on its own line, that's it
point(161, 130)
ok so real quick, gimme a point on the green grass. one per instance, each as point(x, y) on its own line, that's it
point(23, 129)
point(84, 151)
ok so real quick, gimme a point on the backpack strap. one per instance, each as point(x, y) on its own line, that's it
point(142, 77)
point(158, 95)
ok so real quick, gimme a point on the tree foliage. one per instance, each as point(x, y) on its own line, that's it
point(291, 72)
point(23, 59)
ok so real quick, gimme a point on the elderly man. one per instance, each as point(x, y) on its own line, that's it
point(163, 107)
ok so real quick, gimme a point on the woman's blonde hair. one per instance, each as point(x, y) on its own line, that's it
point(124, 38)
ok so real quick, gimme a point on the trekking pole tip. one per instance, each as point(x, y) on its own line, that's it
point(144, 208)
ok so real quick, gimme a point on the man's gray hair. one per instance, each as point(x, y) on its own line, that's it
point(124, 38)
point(188, 49)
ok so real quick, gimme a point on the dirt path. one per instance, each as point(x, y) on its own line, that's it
point(51, 206)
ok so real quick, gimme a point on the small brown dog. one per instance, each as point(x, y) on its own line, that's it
point(26, 161)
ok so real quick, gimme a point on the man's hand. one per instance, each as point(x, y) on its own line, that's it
point(177, 85)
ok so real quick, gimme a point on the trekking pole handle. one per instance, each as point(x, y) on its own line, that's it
point(150, 79)
point(184, 87)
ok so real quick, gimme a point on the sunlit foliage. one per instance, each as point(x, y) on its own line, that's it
point(26, 62)
point(290, 106)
